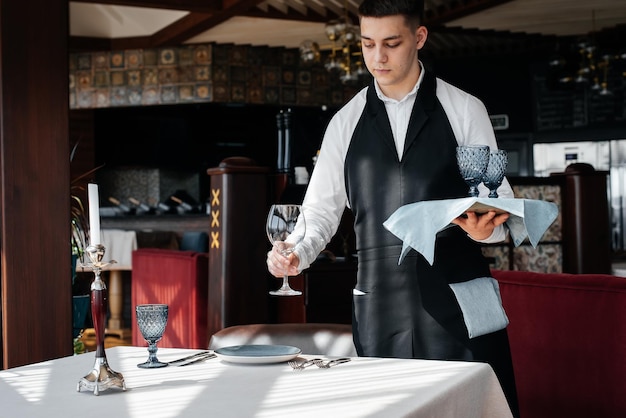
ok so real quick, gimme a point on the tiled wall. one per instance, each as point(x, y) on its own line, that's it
point(548, 256)
point(201, 73)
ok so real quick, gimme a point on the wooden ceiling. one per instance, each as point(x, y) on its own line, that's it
point(456, 26)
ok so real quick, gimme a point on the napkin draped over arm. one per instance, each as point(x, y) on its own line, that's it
point(417, 224)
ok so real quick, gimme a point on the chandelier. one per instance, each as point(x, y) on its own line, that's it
point(590, 69)
point(345, 50)
point(590, 66)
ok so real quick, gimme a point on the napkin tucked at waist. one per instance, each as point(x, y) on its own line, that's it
point(417, 224)
point(481, 304)
point(119, 246)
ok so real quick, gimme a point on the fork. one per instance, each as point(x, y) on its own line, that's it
point(328, 364)
point(296, 365)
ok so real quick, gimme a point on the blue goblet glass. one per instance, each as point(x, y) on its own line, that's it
point(472, 161)
point(151, 320)
point(494, 175)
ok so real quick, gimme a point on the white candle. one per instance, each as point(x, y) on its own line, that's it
point(94, 213)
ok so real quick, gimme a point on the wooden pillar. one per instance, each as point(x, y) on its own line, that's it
point(586, 227)
point(238, 244)
point(34, 182)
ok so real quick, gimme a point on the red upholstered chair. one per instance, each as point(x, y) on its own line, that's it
point(568, 343)
point(180, 280)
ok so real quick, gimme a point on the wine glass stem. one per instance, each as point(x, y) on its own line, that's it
point(152, 349)
point(285, 285)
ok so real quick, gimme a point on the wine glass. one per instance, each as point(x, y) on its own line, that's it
point(494, 175)
point(472, 161)
point(281, 224)
point(152, 319)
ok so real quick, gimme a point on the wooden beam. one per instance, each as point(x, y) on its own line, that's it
point(195, 23)
point(201, 6)
point(205, 14)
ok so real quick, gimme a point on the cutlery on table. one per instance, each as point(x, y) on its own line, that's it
point(194, 358)
point(301, 365)
point(330, 363)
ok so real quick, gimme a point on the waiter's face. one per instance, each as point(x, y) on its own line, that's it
point(390, 52)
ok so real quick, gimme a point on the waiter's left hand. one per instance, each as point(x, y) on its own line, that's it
point(480, 226)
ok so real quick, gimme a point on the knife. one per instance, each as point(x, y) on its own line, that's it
point(203, 355)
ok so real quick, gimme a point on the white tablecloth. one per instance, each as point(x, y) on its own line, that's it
point(364, 387)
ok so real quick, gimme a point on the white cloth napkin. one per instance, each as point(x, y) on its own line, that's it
point(481, 305)
point(119, 245)
point(417, 224)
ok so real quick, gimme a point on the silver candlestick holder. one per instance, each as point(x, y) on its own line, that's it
point(101, 377)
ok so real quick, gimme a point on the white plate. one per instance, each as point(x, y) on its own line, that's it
point(257, 353)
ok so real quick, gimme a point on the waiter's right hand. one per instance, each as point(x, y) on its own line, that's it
point(278, 264)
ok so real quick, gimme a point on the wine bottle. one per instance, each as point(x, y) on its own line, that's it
point(140, 207)
point(184, 206)
point(124, 209)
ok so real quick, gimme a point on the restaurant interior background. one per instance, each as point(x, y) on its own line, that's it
point(216, 91)
point(201, 107)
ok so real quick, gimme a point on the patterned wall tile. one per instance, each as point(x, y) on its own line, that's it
point(85, 99)
point(221, 73)
point(238, 92)
point(134, 78)
point(134, 95)
point(185, 56)
point(169, 94)
point(546, 258)
point(204, 92)
point(168, 56)
point(116, 60)
point(134, 58)
point(202, 54)
point(101, 60)
point(150, 77)
point(200, 73)
point(500, 255)
point(150, 58)
point(168, 75)
point(119, 96)
point(255, 94)
point(186, 92)
point(118, 78)
point(221, 92)
point(84, 62)
point(101, 78)
point(83, 80)
point(102, 97)
point(150, 95)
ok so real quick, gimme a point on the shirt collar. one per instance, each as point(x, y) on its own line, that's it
point(410, 94)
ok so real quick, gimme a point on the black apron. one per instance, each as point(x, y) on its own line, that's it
point(408, 310)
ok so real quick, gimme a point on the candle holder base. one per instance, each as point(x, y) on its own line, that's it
point(101, 378)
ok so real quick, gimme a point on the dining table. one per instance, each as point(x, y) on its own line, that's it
point(219, 387)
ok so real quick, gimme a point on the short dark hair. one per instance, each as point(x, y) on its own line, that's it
point(412, 10)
